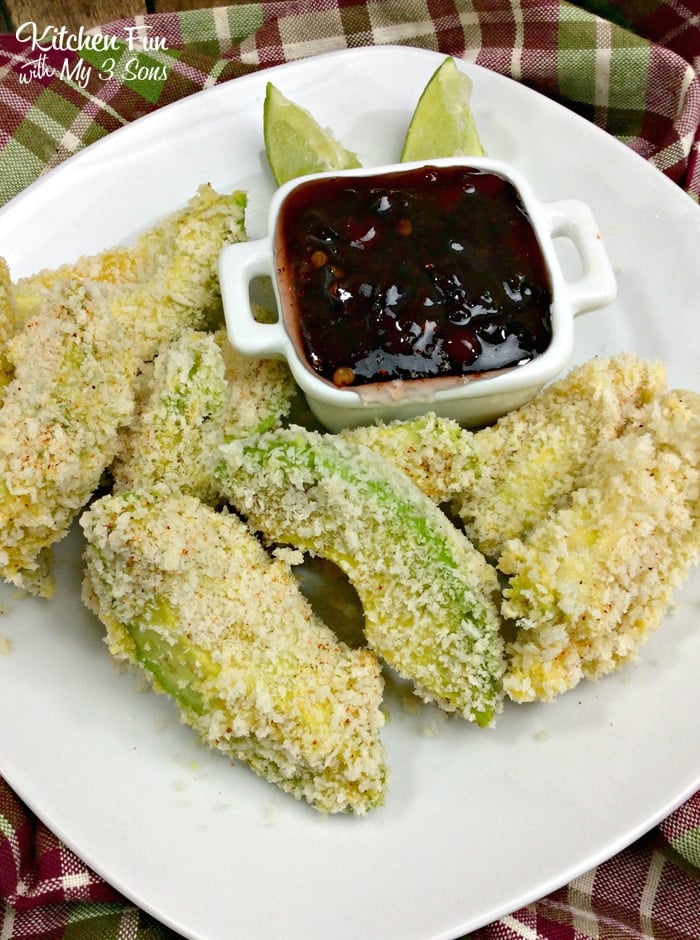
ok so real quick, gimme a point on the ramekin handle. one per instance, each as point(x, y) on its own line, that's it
point(596, 286)
point(239, 264)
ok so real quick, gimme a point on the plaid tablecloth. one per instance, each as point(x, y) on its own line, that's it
point(630, 66)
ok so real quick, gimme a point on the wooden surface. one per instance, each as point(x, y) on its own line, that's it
point(86, 13)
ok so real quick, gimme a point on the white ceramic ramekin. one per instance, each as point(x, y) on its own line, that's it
point(472, 401)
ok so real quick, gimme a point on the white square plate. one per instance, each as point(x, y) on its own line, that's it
point(476, 823)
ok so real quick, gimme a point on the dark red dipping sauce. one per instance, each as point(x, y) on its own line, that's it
point(417, 274)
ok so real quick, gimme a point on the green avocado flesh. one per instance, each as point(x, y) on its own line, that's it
point(178, 666)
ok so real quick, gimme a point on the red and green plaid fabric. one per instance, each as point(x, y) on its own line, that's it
point(630, 66)
point(630, 69)
point(650, 890)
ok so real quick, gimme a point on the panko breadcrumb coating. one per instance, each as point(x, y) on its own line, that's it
point(591, 580)
point(202, 394)
point(71, 393)
point(178, 428)
point(165, 283)
point(59, 423)
point(7, 324)
point(189, 595)
point(260, 392)
point(427, 594)
point(436, 453)
point(529, 460)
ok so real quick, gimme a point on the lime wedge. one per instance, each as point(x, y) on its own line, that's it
point(443, 124)
point(296, 144)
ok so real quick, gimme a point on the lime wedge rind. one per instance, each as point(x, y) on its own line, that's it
point(442, 124)
point(296, 144)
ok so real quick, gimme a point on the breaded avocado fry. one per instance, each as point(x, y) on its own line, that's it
point(436, 453)
point(528, 461)
point(427, 594)
point(202, 394)
point(189, 595)
point(593, 579)
point(165, 283)
point(260, 392)
point(70, 394)
point(175, 435)
point(7, 324)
